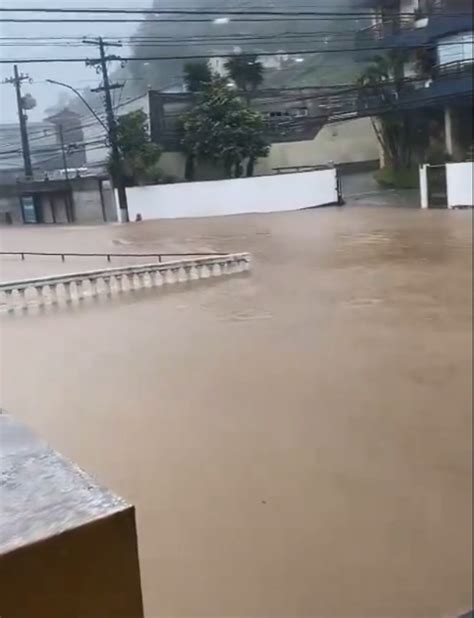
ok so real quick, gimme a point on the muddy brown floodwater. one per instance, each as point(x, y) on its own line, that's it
point(297, 441)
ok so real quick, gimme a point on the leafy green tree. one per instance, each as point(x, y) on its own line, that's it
point(197, 75)
point(223, 129)
point(400, 133)
point(139, 156)
point(246, 71)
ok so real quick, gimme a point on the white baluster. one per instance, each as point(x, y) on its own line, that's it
point(135, 282)
point(182, 275)
point(45, 294)
point(169, 276)
point(158, 278)
point(79, 290)
point(146, 280)
point(38, 295)
point(67, 291)
point(216, 270)
point(85, 288)
point(193, 273)
point(103, 287)
point(6, 298)
point(30, 293)
point(115, 284)
point(122, 281)
point(53, 293)
point(125, 282)
point(205, 272)
point(226, 268)
point(22, 298)
point(75, 290)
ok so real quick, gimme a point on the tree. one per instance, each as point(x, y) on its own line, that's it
point(246, 71)
point(222, 128)
point(197, 75)
point(139, 156)
point(399, 132)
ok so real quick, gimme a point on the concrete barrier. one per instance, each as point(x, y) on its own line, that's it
point(109, 281)
point(68, 547)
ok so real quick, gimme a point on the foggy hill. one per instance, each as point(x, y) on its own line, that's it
point(168, 38)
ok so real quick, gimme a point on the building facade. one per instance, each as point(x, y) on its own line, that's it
point(296, 124)
point(436, 38)
point(77, 200)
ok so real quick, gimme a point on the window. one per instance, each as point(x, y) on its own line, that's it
point(456, 48)
point(300, 112)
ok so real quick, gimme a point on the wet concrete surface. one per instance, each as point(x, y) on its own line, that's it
point(298, 440)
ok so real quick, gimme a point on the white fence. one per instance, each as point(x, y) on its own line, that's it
point(458, 185)
point(459, 181)
point(262, 194)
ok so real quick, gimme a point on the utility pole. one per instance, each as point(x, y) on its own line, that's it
point(17, 80)
point(101, 65)
point(70, 197)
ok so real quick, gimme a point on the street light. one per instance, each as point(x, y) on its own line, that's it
point(52, 81)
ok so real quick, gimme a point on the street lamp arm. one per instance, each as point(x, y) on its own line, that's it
point(52, 81)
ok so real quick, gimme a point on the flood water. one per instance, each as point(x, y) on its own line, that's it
point(297, 441)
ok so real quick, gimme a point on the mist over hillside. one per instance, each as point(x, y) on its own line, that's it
point(220, 33)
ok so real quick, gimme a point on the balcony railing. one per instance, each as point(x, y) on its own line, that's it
point(389, 27)
point(432, 7)
point(453, 68)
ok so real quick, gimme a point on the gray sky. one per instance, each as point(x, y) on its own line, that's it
point(76, 74)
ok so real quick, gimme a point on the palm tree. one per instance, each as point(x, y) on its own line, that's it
point(246, 71)
point(197, 75)
point(381, 85)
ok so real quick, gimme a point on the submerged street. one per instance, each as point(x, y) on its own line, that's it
point(297, 440)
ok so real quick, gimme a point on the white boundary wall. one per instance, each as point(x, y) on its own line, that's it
point(262, 194)
point(459, 179)
point(459, 184)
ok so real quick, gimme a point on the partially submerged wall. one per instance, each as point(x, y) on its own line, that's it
point(261, 194)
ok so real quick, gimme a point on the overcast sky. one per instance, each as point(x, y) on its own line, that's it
point(76, 74)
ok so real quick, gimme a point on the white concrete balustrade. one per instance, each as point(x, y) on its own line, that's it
point(72, 287)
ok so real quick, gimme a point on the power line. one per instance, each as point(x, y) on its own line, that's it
point(39, 135)
point(301, 52)
point(227, 12)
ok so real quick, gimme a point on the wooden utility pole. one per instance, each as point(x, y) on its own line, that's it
point(106, 88)
point(17, 80)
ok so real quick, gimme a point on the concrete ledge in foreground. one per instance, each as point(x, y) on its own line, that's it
point(67, 546)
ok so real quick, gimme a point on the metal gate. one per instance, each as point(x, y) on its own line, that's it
point(437, 186)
